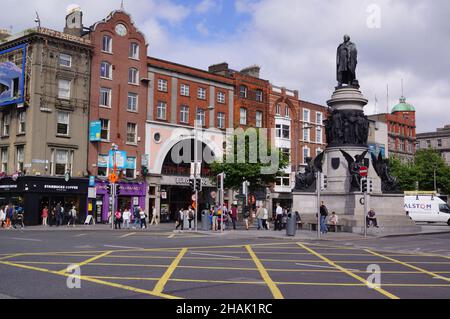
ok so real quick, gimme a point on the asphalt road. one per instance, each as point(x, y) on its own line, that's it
point(166, 265)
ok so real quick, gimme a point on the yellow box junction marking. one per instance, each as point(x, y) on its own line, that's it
point(69, 269)
point(265, 275)
point(348, 272)
point(163, 281)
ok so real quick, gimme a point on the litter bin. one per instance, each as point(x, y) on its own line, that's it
point(291, 225)
point(206, 224)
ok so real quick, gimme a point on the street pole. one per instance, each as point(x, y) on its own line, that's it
point(318, 180)
point(197, 174)
point(113, 189)
point(222, 198)
point(434, 173)
point(365, 206)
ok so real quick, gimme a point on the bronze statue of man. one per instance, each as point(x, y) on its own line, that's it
point(347, 59)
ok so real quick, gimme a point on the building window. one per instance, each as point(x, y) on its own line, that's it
point(20, 158)
point(105, 97)
point(65, 60)
point(287, 112)
point(319, 151)
point(102, 164)
point(201, 94)
point(259, 119)
point(134, 51)
point(132, 102)
point(221, 97)
point(221, 120)
point(6, 124)
point(278, 109)
point(319, 118)
point(278, 130)
point(306, 134)
point(401, 146)
point(162, 85)
point(22, 122)
point(107, 44)
point(62, 162)
point(184, 90)
point(132, 133)
point(104, 134)
point(131, 167)
point(133, 76)
point(63, 123)
point(287, 153)
point(428, 143)
point(319, 135)
point(306, 154)
point(286, 132)
point(4, 155)
point(106, 70)
point(439, 143)
point(243, 91)
point(306, 114)
point(201, 117)
point(161, 110)
point(184, 114)
point(284, 181)
point(243, 116)
point(259, 96)
point(64, 89)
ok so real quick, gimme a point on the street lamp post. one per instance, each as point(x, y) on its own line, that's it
point(434, 174)
point(114, 149)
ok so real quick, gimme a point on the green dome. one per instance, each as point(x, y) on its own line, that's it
point(403, 106)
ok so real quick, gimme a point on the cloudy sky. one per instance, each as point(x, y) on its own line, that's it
point(294, 41)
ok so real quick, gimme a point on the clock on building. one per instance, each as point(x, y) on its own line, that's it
point(121, 30)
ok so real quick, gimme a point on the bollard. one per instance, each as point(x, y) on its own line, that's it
point(291, 225)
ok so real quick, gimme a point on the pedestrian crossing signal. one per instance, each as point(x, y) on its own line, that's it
point(198, 185)
point(109, 189)
point(117, 189)
point(364, 185)
point(192, 184)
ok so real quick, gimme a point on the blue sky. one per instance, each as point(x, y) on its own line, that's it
point(294, 42)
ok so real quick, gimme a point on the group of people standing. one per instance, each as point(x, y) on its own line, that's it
point(11, 216)
point(57, 216)
point(125, 217)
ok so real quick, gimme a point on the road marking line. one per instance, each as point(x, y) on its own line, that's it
point(10, 256)
point(27, 239)
point(185, 280)
point(80, 235)
point(101, 282)
point(265, 275)
point(79, 265)
point(327, 267)
point(159, 287)
point(212, 255)
point(432, 274)
point(127, 235)
point(124, 247)
point(346, 271)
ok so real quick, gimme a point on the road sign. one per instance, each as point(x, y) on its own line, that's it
point(363, 171)
point(113, 178)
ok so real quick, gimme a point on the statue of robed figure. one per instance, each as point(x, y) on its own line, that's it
point(347, 60)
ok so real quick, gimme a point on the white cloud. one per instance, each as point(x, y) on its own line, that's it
point(205, 5)
point(202, 28)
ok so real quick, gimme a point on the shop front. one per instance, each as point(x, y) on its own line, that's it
point(33, 193)
point(132, 194)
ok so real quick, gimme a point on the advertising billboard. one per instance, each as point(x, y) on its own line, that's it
point(12, 75)
point(95, 131)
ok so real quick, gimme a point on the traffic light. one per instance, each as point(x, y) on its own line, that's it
point(324, 181)
point(109, 189)
point(198, 185)
point(144, 171)
point(192, 183)
point(117, 189)
point(364, 185)
point(370, 186)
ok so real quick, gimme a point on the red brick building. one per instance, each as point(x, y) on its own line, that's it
point(118, 92)
point(401, 130)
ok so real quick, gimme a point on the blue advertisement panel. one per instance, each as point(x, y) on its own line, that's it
point(12, 75)
point(95, 131)
point(121, 159)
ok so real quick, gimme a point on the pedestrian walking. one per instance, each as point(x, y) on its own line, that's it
point(234, 216)
point(371, 219)
point(299, 220)
point(44, 216)
point(143, 217)
point(117, 220)
point(2, 217)
point(323, 218)
point(191, 216)
point(126, 218)
point(72, 216)
point(246, 217)
point(265, 218)
point(137, 217)
point(259, 217)
point(154, 217)
point(180, 219)
point(278, 217)
point(19, 217)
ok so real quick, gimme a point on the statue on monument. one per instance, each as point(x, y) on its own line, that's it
point(347, 59)
point(389, 183)
point(354, 165)
point(306, 181)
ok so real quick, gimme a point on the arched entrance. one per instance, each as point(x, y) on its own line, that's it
point(176, 193)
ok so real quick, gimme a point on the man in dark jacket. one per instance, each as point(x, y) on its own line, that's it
point(323, 218)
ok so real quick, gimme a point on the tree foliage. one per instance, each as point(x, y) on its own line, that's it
point(251, 169)
point(421, 171)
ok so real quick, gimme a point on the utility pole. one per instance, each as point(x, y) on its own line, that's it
point(318, 186)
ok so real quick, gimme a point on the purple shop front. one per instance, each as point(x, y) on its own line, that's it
point(131, 195)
